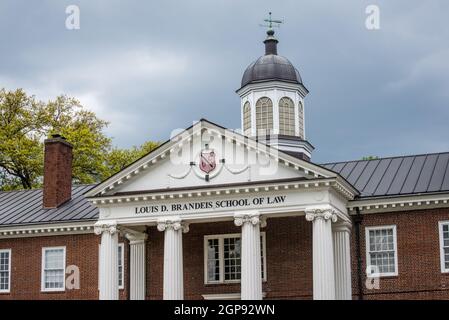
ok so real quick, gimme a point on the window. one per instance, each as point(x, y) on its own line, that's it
point(381, 251)
point(301, 120)
point(121, 258)
point(120, 263)
point(246, 118)
point(53, 269)
point(264, 116)
point(444, 246)
point(222, 258)
point(5, 270)
point(286, 117)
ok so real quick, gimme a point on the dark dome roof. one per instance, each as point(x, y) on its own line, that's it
point(271, 67)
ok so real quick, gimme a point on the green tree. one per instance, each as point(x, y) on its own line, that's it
point(25, 122)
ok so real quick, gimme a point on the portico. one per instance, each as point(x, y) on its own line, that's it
point(165, 191)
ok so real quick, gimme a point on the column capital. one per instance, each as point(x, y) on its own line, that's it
point(109, 226)
point(343, 226)
point(249, 217)
point(172, 223)
point(325, 213)
point(136, 237)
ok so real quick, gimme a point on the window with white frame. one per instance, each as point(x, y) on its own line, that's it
point(222, 258)
point(264, 116)
point(381, 251)
point(120, 264)
point(444, 246)
point(53, 269)
point(286, 116)
point(5, 270)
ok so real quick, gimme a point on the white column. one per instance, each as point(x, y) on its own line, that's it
point(251, 276)
point(173, 264)
point(323, 255)
point(137, 265)
point(342, 257)
point(108, 276)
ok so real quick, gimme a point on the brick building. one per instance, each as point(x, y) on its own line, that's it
point(217, 214)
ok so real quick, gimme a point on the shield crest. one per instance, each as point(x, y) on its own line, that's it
point(207, 161)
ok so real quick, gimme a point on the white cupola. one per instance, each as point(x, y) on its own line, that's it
point(272, 102)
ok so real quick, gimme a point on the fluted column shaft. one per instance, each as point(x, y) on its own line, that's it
point(323, 255)
point(137, 265)
point(342, 257)
point(251, 273)
point(173, 261)
point(108, 276)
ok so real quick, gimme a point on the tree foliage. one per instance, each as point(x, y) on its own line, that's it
point(25, 122)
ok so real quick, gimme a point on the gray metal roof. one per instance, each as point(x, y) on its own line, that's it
point(406, 175)
point(270, 67)
point(25, 207)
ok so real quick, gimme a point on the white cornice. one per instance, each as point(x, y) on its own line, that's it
point(402, 203)
point(341, 188)
point(53, 229)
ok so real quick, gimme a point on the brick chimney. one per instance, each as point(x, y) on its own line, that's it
point(57, 171)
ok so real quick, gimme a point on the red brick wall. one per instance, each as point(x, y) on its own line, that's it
point(289, 260)
point(419, 273)
point(26, 254)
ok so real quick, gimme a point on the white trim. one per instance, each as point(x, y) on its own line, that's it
point(401, 203)
point(220, 238)
point(43, 289)
point(47, 230)
point(226, 296)
point(9, 271)
point(122, 258)
point(442, 261)
point(367, 251)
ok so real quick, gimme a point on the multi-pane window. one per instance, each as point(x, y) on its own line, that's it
point(264, 116)
point(286, 116)
point(246, 118)
point(301, 120)
point(444, 246)
point(381, 251)
point(53, 269)
point(5, 270)
point(121, 258)
point(223, 258)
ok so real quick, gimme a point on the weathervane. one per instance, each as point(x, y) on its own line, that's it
point(271, 23)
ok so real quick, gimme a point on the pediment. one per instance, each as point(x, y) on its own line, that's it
point(207, 155)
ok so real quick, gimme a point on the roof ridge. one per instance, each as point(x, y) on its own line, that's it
point(75, 185)
point(390, 157)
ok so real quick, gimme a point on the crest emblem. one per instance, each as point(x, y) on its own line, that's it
point(207, 161)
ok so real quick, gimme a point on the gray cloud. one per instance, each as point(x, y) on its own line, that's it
point(150, 67)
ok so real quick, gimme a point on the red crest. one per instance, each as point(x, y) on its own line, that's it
point(207, 161)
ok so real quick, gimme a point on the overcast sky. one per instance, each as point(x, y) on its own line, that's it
point(149, 67)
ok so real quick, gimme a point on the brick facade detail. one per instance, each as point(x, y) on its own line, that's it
point(289, 260)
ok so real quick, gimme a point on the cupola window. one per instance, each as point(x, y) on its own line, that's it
point(286, 117)
point(264, 116)
point(246, 118)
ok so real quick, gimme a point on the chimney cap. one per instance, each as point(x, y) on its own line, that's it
point(57, 138)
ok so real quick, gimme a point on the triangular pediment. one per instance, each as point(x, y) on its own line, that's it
point(207, 155)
